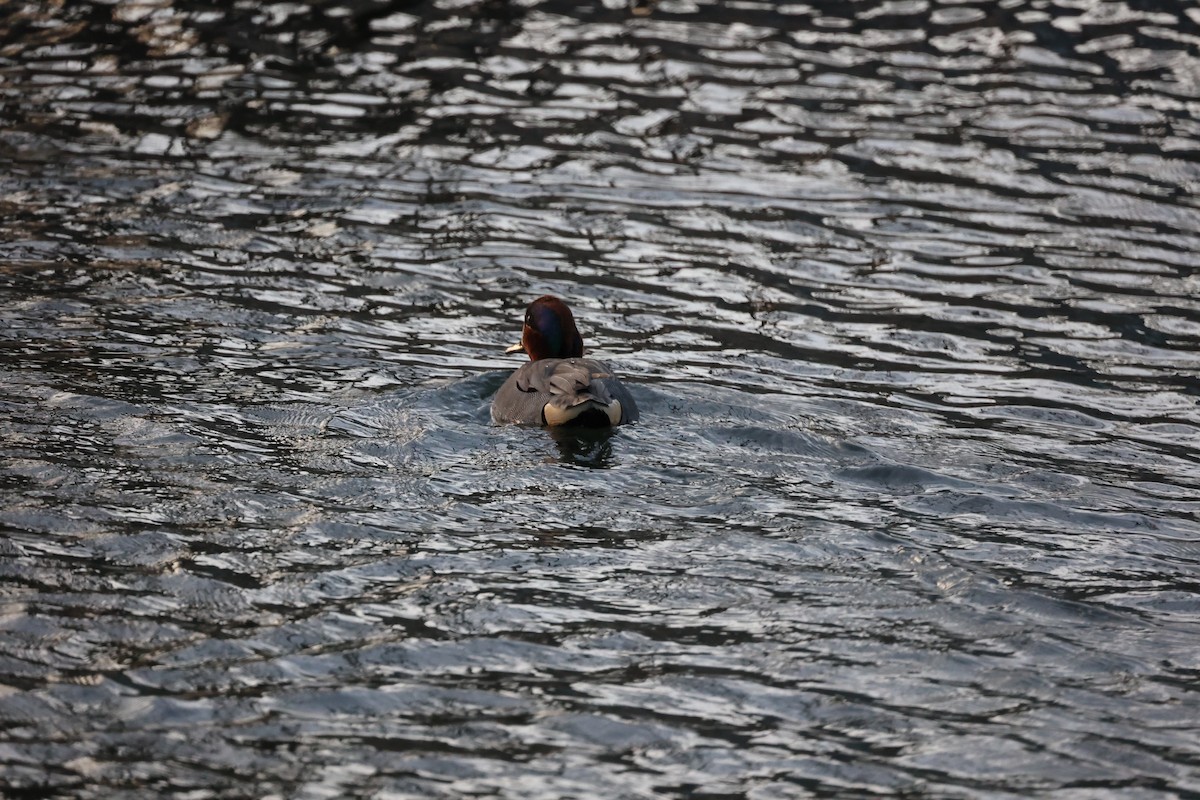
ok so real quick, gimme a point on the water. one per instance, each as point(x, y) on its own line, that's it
point(906, 292)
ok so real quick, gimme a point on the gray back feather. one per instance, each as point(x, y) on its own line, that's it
point(564, 382)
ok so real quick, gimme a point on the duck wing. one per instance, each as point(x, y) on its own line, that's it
point(564, 391)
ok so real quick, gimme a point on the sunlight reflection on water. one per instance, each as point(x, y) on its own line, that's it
point(906, 294)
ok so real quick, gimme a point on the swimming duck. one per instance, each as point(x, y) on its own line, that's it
point(559, 386)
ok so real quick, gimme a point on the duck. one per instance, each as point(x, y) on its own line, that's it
point(558, 386)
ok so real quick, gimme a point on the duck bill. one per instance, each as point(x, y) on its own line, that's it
point(519, 347)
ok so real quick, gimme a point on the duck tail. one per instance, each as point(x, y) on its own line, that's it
point(590, 406)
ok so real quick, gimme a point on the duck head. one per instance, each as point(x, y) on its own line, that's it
point(549, 331)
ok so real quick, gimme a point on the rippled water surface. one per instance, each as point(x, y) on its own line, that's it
point(908, 293)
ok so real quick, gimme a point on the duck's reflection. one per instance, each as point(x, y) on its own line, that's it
point(584, 447)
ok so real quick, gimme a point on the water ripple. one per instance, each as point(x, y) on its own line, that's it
point(906, 293)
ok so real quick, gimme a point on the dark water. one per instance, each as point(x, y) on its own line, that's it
point(908, 295)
